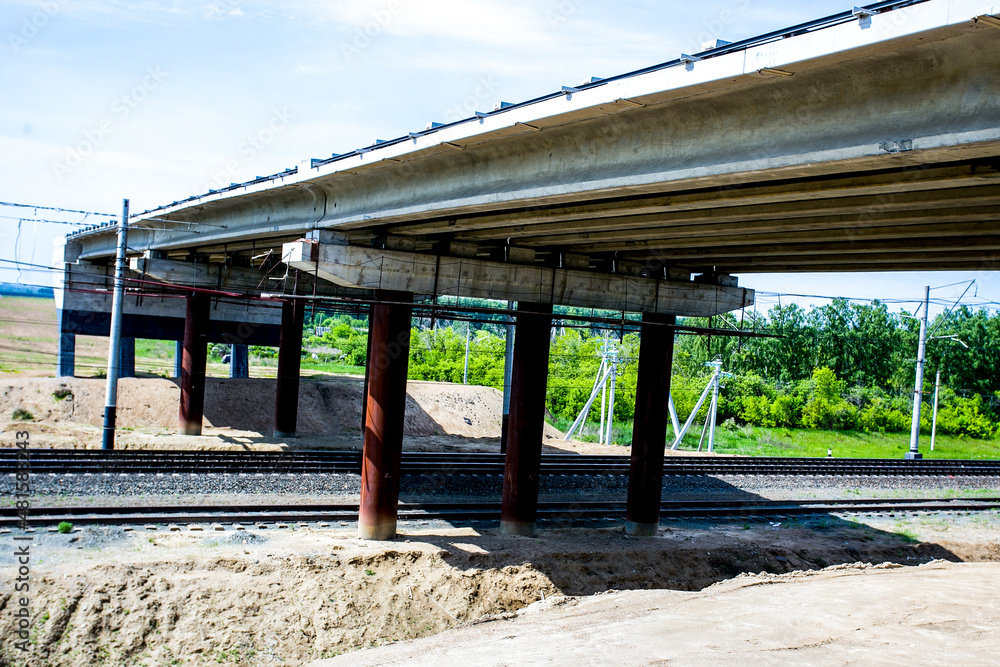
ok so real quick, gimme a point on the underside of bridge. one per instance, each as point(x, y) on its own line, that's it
point(867, 141)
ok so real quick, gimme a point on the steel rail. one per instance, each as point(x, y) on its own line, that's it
point(66, 461)
point(483, 511)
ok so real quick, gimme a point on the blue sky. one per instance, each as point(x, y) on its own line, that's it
point(156, 100)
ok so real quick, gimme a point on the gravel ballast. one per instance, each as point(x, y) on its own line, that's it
point(115, 489)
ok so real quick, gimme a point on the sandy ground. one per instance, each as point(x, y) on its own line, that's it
point(290, 596)
point(936, 614)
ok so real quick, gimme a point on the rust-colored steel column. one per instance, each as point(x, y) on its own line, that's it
point(194, 349)
point(385, 404)
point(649, 429)
point(286, 394)
point(523, 458)
point(368, 355)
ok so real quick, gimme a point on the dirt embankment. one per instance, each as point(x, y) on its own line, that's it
point(941, 613)
point(330, 407)
point(284, 597)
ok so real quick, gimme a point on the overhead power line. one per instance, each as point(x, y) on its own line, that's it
point(21, 218)
point(56, 208)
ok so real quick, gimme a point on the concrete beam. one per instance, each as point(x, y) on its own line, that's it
point(375, 269)
point(85, 301)
point(218, 276)
point(195, 274)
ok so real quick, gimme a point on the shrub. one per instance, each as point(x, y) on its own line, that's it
point(880, 417)
point(785, 410)
point(65, 527)
point(756, 410)
point(963, 416)
point(20, 414)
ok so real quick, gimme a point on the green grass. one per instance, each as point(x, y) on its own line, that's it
point(154, 349)
point(332, 368)
point(759, 441)
point(755, 441)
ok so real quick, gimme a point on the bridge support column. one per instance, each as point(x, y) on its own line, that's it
point(66, 353)
point(508, 360)
point(649, 430)
point(194, 350)
point(522, 463)
point(239, 361)
point(178, 357)
point(126, 363)
point(385, 404)
point(286, 395)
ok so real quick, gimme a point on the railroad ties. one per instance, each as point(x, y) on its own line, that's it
point(81, 461)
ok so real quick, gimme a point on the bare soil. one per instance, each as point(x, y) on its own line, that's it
point(284, 597)
point(239, 414)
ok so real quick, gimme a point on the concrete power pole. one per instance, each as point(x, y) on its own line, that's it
point(937, 391)
point(465, 374)
point(114, 348)
point(918, 386)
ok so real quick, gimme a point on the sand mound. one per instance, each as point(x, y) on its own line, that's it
point(331, 406)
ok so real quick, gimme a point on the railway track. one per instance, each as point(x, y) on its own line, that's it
point(244, 515)
point(76, 461)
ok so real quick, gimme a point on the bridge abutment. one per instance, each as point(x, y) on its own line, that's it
point(385, 405)
point(649, 430)
point(526, 423)
point(286, 395)
point(193, 360)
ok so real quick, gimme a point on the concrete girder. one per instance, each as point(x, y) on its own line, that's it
point(389, 270)
point(517, 224)
point(981, 221)
point(975, 260)
point(867, 208)
point(979, 238)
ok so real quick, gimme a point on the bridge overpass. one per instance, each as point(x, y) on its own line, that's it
point(865, 141)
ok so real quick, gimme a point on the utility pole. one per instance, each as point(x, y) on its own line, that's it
point(114, 348)
point(465, 375)
point(937, 390)
point(918, 386)
point(612, 377)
